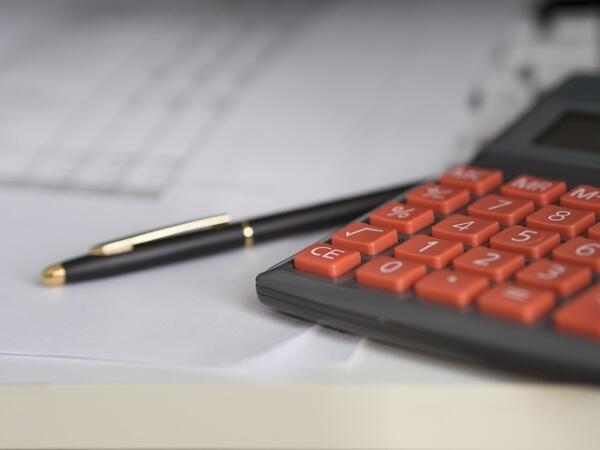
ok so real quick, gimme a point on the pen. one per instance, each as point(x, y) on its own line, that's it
point(204, 236)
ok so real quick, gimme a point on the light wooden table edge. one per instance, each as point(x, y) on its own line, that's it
point(412, 416)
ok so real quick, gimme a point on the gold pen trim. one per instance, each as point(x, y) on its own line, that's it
point(248, 233)
point(127, 243)
point(54, 275)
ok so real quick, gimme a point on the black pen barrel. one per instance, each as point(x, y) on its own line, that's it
point(318, 217)
point(171, 250)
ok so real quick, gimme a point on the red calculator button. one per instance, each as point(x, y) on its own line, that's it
point(507, 211)
point(562, 278)
point(442, 199)
point(579, 251)
point(326, 260)
point(365, 238)
point(476, 179)
point(428, 250)
point(582, 315)
point(527, 241)
point(497, 265)
point(390, 274)
point(404, 218)
point(518, 303)
point(568, 222)
point(594, 232)
point(540, 190)
point(583, 197)
point(451, 288)
point(469, 230)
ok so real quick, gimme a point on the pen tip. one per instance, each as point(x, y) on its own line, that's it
point(54, 275)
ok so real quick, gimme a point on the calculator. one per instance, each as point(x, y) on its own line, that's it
point(496, 261)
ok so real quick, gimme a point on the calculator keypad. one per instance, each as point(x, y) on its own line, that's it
point(523, 251)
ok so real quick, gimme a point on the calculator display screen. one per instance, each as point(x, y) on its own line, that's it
point(576, 130)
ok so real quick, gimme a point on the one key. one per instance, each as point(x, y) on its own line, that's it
point(540, 190)
point(497, 265)
point(565, 221)
point(326, 260)
point(450, 288)
point(468, 230)
point(365, 238)
point(406, 219)
point(583, 196)
point(428, 250)
point(526, 241)
point(442, 199)
point(579, 251)
point(390, 274)
point(518, 303)
point(562, 278)
point(582, 315)
point(594, 232)
point(506, 211)
point(476, 179)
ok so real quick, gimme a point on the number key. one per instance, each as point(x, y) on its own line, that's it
point(567, 222)
point(562, 278)
point(390, 274)
point(497, 265)
point(427, 250)
point(580, 251)
point(528, 242)
point(469, 230)
point(507, 211)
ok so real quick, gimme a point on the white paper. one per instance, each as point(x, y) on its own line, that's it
point(119, 118)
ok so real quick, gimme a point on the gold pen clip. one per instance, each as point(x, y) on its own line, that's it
point(128, 243)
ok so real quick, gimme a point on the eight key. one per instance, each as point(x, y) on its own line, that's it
point(568, 222)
